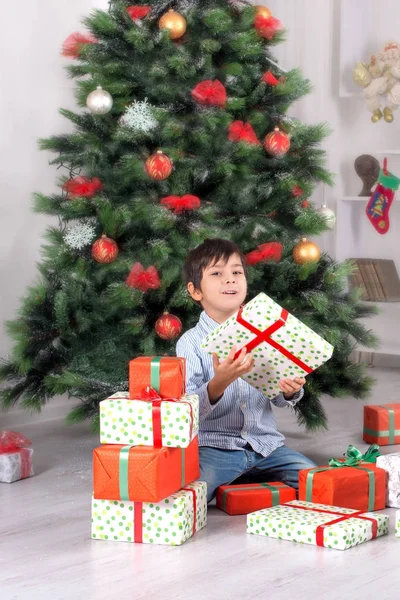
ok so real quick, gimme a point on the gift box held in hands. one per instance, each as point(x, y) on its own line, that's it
point(350, 483)
point(15, 457)
point(143, 473)
point(281, 345)
point(391, 464)
point(248, 497)
point(319, 524)
point(165, 374)
point(171, 521)
point(382, 424)
point(149, 422)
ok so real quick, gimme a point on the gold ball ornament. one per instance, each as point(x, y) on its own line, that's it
point(277, 143)
point(174, 22)
point(306, 252)
point(158, 166)
point(99, 102)
point(361, 75)
point(263, 10)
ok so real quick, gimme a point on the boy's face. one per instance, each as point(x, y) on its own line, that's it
point(223, 288)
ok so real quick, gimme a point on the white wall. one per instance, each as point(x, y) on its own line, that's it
point(34, 86)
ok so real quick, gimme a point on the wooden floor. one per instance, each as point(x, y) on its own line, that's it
point(46, 551)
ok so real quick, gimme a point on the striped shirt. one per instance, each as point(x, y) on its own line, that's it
point(242, 415)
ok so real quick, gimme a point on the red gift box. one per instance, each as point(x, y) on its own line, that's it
point(382, 424)
point(166, 375)
point(143, 473)
point(362, 487)
point(249, 497)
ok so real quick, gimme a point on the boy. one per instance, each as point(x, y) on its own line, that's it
point(238, 434)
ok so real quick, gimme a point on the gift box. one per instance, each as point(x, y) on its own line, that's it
point(397, 529)
point(391, 464)
point(143, 473)
point(281, 345)
point(246, 498)
point(170, 422)
point(15, 457)
point(361, 487)
point(171, 521)
point(165, 374)
point(382, 424)
point(318, 524)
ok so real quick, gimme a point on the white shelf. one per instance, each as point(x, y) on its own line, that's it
point(360, 199)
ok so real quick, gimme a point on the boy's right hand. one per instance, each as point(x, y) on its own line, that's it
point(230, 369)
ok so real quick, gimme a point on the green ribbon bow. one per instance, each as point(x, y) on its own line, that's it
point(354, 457)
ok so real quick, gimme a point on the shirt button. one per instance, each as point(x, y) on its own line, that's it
point(243, 405)
point(244, 432)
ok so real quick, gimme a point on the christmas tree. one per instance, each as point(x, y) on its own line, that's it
point(182, 132)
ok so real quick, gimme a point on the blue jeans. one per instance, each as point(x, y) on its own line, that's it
point(221, 467)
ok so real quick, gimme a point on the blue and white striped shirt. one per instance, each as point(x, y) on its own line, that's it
point(242, 415)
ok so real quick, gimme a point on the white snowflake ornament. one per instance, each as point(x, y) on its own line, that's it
point(139, 117)
point(79, 236)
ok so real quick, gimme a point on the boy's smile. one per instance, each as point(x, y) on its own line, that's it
point(223, 288)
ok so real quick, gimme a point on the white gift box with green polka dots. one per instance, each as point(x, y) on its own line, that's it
point(271, 365)
point(125, 421)
point(397, 530)
point(167, 522)
point(287, 522)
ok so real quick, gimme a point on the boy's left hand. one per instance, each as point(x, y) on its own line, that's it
point(289, 387)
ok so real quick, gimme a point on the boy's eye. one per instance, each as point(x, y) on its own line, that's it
point(216, 273)
point(238, 273)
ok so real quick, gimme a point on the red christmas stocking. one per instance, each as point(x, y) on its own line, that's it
point(381, 200)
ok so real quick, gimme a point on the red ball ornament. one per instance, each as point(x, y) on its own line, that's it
point(158, 166)
point(277, 143)
point(168, 327)
point(105, 250)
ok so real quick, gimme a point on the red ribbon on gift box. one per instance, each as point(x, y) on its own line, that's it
point(12, 442)
point(138, 516)
point(150, 395)
point(319, 534)
point(265, 336)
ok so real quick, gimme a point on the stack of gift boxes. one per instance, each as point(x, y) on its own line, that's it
point(145, 471)
point(337, 502)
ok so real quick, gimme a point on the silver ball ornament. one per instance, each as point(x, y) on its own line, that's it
point(329, 216)
point(99, 102)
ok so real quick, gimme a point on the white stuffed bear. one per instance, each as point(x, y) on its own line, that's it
point(381, 78)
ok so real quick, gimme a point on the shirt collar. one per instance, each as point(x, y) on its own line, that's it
point(208, 323)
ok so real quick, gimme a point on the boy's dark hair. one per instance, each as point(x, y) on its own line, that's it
point(207, 254)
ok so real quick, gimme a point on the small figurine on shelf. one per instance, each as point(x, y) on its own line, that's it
point(367, 168)
point(381, 81)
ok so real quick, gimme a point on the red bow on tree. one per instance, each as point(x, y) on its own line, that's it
point(82, 186)
point(267, 27)
point(180, 203)
point(71, 48)
point(270, 78)
point(242, 132)
point(138, 12)
point(297, 191)
point(271, 251)
point(210, 92)
point(143, 280)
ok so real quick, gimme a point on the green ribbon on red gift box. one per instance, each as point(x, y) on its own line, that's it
point(265, 336)
point(353, 458)
point(391, 433)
